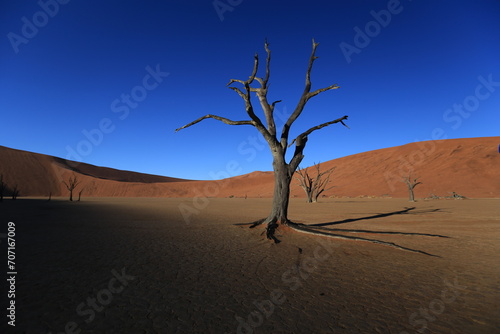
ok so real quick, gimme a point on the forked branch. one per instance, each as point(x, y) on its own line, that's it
point(411, 183)
point(306, 95)
point(270, 132)
point(72, 183)
point(262, 95)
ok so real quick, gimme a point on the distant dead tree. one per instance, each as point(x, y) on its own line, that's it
point(2, 187)
point(71, 185)
point(278, 143)
point(80, 194)
point(314, 185)
point(15, 192)
point(411, 183)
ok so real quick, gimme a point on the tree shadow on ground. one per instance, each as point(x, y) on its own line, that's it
point(380, 215)
point(321, 230)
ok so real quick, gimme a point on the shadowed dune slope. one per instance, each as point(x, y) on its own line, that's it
point(469, 167)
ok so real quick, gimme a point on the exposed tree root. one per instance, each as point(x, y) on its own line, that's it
point(272, 226)
point(270, 230)
point(257, 222)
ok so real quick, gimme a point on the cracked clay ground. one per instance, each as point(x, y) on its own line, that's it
point(135, 266)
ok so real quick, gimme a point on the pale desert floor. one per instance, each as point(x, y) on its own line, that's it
point(212, 276)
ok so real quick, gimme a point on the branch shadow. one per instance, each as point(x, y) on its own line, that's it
point(376, 232)
point(304, 228)
point(380, 215)
point(320, 229)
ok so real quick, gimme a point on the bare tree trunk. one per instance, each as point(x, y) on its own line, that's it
point(309, 194)
point(412, 195)
point(281, 192)
point(305, 181)
point(315, 199)
point(411, 183)
point(279, 210)
point(80, 194)
point(15, 192)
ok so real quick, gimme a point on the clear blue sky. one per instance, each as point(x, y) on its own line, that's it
point(84, 67)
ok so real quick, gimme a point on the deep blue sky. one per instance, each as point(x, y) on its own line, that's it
point(70, 76)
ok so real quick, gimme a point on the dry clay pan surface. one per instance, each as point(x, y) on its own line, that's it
point(136, 265)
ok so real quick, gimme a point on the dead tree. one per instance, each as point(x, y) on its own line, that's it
point(278, 143)
point(314, 186)
point(71, 185)
point(80, 194)
point(15, 192)
point(411, 183)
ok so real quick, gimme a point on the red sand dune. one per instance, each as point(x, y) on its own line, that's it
point(469, 167)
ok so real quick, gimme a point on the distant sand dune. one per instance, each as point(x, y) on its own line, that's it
point(469, 167)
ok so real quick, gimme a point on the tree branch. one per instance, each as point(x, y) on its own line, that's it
point(409, 182)
point(240, 93)
point(246, 97)
point(304, 135)
point(262, 94)
point(268, 63)
point(235, 80)
point(255, 67)
point(306, 95)
point(310, 65)
point(329, 171)
point(320, 183)
point(222, 119)
point(274, 103)
point(72, 183)
point(304, 179)
point(260, 80)
point(321, 90)
point(270, 132)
